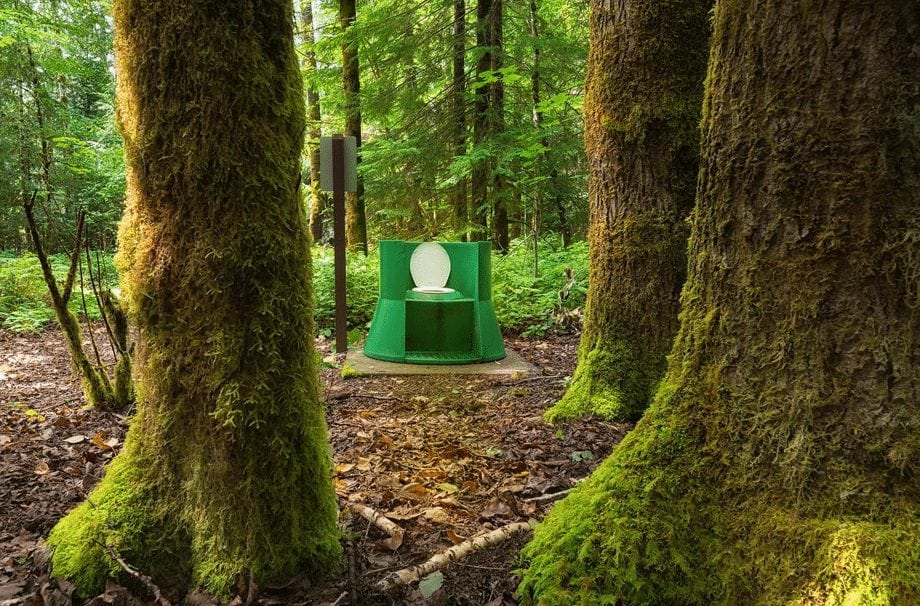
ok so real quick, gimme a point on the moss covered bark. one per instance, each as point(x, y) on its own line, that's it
point(226, 465)
point(642, 104)
point(778, 463)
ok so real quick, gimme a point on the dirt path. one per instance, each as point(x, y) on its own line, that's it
point(444, 459)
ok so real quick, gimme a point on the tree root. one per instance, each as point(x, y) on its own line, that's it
point(442, 560)
point(138, 576)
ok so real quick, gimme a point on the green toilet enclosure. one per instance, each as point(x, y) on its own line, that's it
point(449, 319)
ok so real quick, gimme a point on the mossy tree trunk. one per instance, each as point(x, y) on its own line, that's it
point(355, 214)
point(226, 466)
point(778, 463)
point(643, 98)
point(314, 123)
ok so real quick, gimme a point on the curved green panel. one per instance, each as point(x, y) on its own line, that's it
point(425, 328)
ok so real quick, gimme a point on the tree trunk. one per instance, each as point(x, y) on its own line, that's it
point(355, 217)
point(537, 116)
point(25, 167)
point(460, 202)
point(480, 174)
point(565, 230)
point(314, 124)
point(500, 235)
point(643, 98)
point(778, 464)
point(226, 467)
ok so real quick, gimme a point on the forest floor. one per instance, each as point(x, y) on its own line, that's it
point(445, 459)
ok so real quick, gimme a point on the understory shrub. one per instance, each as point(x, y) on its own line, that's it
point(524, 303)
point(25, 305)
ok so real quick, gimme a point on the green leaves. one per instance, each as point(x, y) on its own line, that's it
point(431, 583)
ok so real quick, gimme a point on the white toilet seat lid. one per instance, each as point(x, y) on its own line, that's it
point(430, 266)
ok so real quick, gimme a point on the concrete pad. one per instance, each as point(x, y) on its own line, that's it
point(512, 364)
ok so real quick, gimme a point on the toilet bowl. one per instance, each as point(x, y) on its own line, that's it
point(430, 269)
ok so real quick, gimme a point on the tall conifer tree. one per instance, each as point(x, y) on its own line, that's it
point(643, 97)
point(226, 467)
point(778, 462)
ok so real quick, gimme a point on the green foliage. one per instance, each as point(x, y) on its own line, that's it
point(530, 304)
point(56, 91)
point(523, 303)
point(361, 289)
point(409, 160)
point(25, 305)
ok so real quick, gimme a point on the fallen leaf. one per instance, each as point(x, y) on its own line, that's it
point(448, 487)
point(437, 514)
point(431, 583)
point(414, 491)
point(99, 440)
point(42, 468)
point(343, 468)
point(496, 507)
point(403, 512)
point(432, 474)
point(454, 538)
point(75, 439)
point(380, 560)
point(389, 544)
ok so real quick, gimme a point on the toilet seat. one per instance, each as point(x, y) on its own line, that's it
point(430, 268)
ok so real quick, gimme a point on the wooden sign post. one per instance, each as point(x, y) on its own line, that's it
point(339, 174)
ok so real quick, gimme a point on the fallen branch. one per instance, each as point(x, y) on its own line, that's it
point(382, 522)
point(442, 560)
point(138, 576)
point(550, 496)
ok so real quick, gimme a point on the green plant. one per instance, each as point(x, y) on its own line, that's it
point(530, 304)
point(25, 305)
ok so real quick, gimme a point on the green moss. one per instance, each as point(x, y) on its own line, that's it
point(774, 466)
point(227, 465)
point(120, 516)
point(609, 383)
point(648, 527)
point(349, 372)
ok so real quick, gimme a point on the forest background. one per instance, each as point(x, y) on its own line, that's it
point(470, 116)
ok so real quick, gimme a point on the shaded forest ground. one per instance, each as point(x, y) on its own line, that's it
point(444, 459)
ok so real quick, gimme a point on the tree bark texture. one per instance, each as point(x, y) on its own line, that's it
point(226, 467)
point(643, 99)
point(355, 216)
point(565, 229)
point(479, 186)
point(500, 235)
point(461, 204)
point(314, 125)
point(778, 463)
